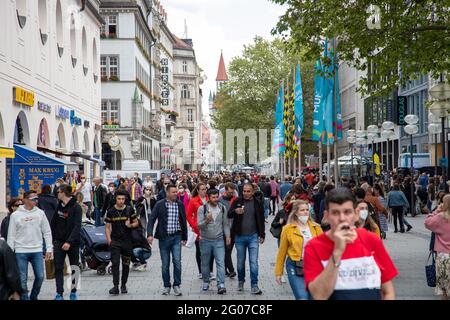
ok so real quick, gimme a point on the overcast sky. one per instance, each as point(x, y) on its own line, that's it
point(216, 25)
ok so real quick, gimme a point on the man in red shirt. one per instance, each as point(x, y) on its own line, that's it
point(346, 263)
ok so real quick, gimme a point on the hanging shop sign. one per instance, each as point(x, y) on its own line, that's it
point(23, 96)
point(74, 120)
point(62, 113)
point(165, 90)
point(44, 107)
point(6, 152)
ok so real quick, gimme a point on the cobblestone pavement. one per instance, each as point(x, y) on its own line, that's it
point(409, 252)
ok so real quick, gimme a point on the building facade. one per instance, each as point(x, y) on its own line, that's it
point(50, 82)
point(128, 109)
point(188, 105)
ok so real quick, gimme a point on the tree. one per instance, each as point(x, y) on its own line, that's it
point(248, 100)
point(413, 36)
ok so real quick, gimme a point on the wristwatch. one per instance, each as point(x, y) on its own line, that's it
point(336, 264)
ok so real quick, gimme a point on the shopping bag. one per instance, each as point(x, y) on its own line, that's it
point(50, 269)
point(430, 270)
point(192, 237)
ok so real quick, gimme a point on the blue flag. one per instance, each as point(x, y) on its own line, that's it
point(318, 121)
point(298, 105)
point(278, 138)
point(329, 101)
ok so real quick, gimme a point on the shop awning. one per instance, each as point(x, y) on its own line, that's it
point(74, 154)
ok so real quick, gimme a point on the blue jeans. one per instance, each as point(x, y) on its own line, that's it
point(167, 246)
point(250, 242)
point(142, 255)
point(217, 249)
point(266, 207)
point(297, 283)
point(37, 263)
point(98, 217)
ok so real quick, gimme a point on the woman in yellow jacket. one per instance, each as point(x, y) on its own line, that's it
point(294, 237)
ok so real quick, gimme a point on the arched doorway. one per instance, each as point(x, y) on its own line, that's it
point(113, 159)
point(74, 145)
point(21, 130)
point(43, 137)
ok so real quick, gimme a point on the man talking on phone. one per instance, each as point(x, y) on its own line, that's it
point(346, 263)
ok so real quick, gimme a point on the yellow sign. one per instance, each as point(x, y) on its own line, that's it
point(7, 152)
point(23, 96)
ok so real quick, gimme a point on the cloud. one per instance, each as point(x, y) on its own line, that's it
point(216, 25)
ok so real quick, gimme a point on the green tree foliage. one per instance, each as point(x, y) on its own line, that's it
point(413, 34)
point(248, 100)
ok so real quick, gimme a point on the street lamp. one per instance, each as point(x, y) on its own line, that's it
point(412, 129)
point(351, 139)
point(372, 134)
point(388, 133)
point(361, 141)
point(441, 106)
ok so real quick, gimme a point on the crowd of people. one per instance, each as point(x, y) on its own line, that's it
point(324, 231)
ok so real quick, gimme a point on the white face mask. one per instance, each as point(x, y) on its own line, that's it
point(181, 190)
point(303, 219)
point(83, 180)
point(363, 214)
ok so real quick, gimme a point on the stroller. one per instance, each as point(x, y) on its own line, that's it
point(96, 250)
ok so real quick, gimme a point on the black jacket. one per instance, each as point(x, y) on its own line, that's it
point(159, 213)
point(66, 223)
point(9, 272)
point(100, 194)
point(237, 218)
point(4, 227)
point(48, 203)
point(110, 201)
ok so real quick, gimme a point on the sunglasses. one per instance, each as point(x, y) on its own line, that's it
point(34, 199)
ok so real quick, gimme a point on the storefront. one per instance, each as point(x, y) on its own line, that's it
point(31, 170)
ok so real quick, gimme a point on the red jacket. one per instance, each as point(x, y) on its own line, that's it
point(191, 214)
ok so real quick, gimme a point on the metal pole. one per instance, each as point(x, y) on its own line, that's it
point(320, 161)
point(373, 162)
point(435, 162)
point(335, 117)
point(444, 170)
point(300, 156)
point(413, 209)
point(328, 161)
point(351, 173)
point(387, 165)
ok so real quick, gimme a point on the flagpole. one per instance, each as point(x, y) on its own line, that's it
point(320, 161)
point(286, 138)
point(336, 166)
point(294, 169)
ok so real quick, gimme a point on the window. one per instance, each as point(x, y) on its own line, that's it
point(103, 72)
point(109, 67)
point(112, 24)
point(21, 11)
point(190, 115)
point(42, 12)
point(104, 111)
point(185, 67)
point(191, 140)
point(59, 29)
point(185, 93)
point(73, 41)
point(113, 66)
point(110, 111)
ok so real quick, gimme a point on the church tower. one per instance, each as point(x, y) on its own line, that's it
point(222, 76)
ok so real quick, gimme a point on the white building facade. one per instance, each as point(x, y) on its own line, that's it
point(50, 87)
point(188, 100)
point(128, 103)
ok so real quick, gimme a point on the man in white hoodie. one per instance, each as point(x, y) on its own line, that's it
point(28, 228)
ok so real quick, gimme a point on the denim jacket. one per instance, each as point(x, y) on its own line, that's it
point(397, 199)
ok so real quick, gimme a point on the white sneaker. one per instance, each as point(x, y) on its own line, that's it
point(283, 279)
point(177, 291)
point(212, 276)
point(142, 268)
point(200, 276)
point(166, 291)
